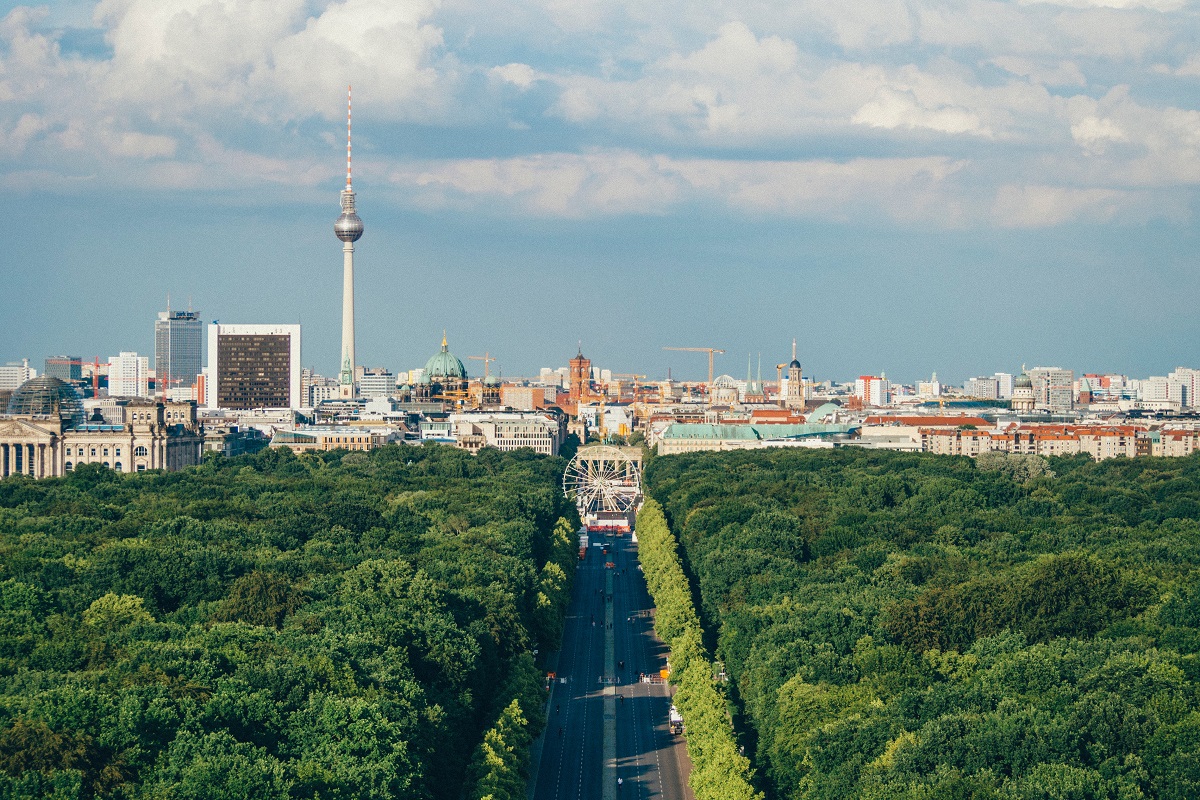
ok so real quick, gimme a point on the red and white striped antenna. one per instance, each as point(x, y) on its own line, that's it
point(348, 171)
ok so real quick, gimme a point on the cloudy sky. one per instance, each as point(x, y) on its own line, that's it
point(905, 186)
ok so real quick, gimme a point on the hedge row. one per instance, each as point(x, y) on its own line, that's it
point(719, 770)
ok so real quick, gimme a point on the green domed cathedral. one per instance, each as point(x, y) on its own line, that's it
point(445, 377)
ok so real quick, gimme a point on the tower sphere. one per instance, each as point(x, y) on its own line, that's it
point(349, 227)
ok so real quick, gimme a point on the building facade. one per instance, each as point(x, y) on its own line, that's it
point(872, 391)
point(795, 383)
point(253, 366)
point(44, 434)
point(12, 375)
point(580, 378)
point(377, 382)
point(178, 350)
point(509, 430)
point(65, 368)
point(129, 375)
point(982, 388)
point(1053, 389)
point(1022, 395)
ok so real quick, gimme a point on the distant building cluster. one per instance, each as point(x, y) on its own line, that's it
point(232, 388)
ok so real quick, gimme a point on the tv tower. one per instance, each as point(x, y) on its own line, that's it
point(348, 228)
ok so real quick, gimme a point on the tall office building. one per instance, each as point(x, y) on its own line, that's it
point(348, 228)
point(12, 374)
point(129, 375)
point(65, 368)
point(253, 366)
point(178, 349)
point(1053, 388)
point(1004, 384)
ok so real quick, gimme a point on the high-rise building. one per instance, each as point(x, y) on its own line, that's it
point(982, 388)
point(873, 391)
point(348, 228)
point(377, 382)
point(1190, 380)
point(253, 366)
point(1053, 388)
point(129, 375)
point(178, 349)
point(1004, 384)
point(12, 374)
point(65, 368)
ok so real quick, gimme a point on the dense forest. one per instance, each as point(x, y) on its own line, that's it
point(276, 626)
point(916, 626)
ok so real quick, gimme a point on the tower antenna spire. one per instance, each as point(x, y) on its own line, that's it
point(348, 228)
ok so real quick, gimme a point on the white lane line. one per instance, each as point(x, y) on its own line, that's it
point(562, 748)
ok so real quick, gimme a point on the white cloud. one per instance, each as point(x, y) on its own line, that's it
point(1152, 5)
point(520, 75)
point(900, 108)
point(1093, 133)
point(621, 182)
point(980, 94)
point(1039, 206)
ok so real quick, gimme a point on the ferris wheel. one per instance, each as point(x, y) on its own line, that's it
point(603, 480)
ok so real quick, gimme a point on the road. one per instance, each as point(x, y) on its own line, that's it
point(650, 761)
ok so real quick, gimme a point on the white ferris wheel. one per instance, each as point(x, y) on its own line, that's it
point(603, 480)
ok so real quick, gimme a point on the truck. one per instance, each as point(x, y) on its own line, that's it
point(583, 544)
point(676, 720)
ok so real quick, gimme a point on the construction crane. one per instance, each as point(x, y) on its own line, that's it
point(96, 365)
point(636, 386)
point(486, 358)
point(709, 350)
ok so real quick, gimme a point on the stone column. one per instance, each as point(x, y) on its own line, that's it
point(3, 461)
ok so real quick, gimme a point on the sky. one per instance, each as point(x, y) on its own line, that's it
point(903, 186)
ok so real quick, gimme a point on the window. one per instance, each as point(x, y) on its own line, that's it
point(106, 453)
point(106, 463)
point(140, 450)
point(67, 467)
point(117, 466)
point(93, 451)
point(80, 451)
point(117, 453)
point(141, 467)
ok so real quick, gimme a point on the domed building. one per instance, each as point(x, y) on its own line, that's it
point(444, 378)
point(1022, 396)
point(48, 397)
point(44, 433)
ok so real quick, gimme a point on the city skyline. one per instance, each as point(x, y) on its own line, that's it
point(902, 188)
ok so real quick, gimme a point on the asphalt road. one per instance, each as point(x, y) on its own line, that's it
point(651, 761)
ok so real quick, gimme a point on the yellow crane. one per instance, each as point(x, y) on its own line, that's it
point(486, 358)
point(709, 350)
point(636, 378)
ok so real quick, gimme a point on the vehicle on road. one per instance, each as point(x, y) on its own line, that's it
point(676, 720)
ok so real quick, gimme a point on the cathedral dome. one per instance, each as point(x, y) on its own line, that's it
point(1022, 382)
point(444, 364)
point(48, 396)
point(491, 380)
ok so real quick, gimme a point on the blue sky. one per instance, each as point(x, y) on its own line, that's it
point(905, 187)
